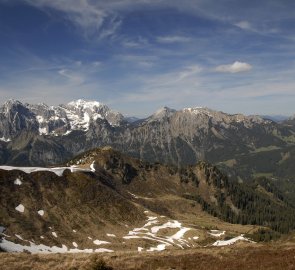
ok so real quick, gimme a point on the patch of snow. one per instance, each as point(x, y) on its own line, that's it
point(140, 229)
point(196, 237)
point(80, 103)
point(216, 233)
point(97, 116)
point(17, 181)
point(2, 229)
point(150, 233)
point(43, 131)
point(92, 166)
point(19, 237)
point(151, 223)
point(198, 110)
point(20, 208)
point(33, 248)
point(40, 119)
point(67, 133)
point(103, 250)
point(140, 249)
point(152, 218)
point(58, 170)
point(90, 238)
point(54, 234)
point(170, 224)
point(133, 195)
point(41, 212)
point(86, 119)
point(42, 237)
point(231, 241)
point(76, 250)
point(180, 233)
point(3, 139)
point(75, 244)
point(111, 235)
point(131, 237)
point(159, 247)
point(74, 231)
point(99, 242)
point(146, 212)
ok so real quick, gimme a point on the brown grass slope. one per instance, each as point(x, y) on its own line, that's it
point(271, 257)
point(111, 200)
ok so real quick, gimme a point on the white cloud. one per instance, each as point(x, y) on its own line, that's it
point(243, 25)
point(173, 39)
point(236, 67)
point(89, 16)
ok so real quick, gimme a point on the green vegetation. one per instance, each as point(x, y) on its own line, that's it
point(264, 235)
point(245, 204)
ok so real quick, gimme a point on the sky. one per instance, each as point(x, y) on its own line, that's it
point(136, 56)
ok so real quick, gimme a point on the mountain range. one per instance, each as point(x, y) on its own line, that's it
point(244, 146)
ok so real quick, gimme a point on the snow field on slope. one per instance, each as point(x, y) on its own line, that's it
point(151, 229)
point(58, 170)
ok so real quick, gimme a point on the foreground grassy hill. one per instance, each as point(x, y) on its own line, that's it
point(260, 257)
point(104, 201)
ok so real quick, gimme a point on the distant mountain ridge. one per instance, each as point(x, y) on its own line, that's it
point(276, 118)
point(45, 135)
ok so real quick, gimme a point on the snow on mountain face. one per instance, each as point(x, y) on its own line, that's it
point(53, 120)
point(82, 112)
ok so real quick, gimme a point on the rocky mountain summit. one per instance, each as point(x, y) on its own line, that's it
point(53, 120)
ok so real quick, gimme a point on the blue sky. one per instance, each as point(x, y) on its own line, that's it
point(139, 55)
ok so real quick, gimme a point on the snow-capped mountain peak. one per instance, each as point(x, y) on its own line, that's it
point(54, 120)
point(81, 112)
point(85, 104)
point(197, 110)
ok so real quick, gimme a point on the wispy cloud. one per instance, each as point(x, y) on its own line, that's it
point(134, 42)
point(86, 15)
point(166, 88)
point(235, 67)
point(262, 29)
point(173, 39)
point(73, 78)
